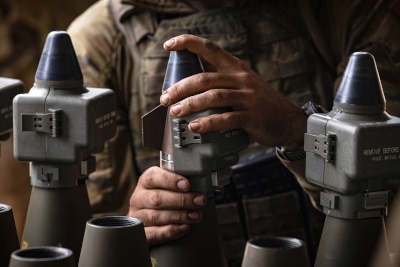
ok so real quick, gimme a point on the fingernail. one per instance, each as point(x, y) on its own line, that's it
point(183, 228)
point(182, 185)
point(177, 109)
point(170, 43)
point(165, 99)
point(199, 200)
point(195, 126)
point(194, 216)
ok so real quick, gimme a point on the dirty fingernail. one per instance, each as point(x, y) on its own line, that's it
point(195, 126)
point(170, 43)
point(165, 99)
point(194, 215)
point(177, 109)
point(199, 200)
point(182, 185)
point(183, 228)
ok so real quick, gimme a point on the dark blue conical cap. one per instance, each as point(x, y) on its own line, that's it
point(181, 64)
point(361, 85)
point(58, 61)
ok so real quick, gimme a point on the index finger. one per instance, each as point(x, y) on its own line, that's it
point(156, 177)
point(206, 49)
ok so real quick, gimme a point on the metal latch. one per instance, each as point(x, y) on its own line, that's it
point(321, 145)
point(375, 200)
point(47, 123)
point(220, 178)
point(329, 201)
point(88, 166)
point(183, 135)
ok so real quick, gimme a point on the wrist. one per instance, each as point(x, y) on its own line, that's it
point(294, 149)
point(295, 132)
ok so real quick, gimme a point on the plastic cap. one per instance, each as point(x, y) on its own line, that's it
point(58, 61)
point(361, 85)
point(181, 64)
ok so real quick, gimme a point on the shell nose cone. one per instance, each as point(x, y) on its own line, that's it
point(361, 84)
point(181, 64)
point(58, 61)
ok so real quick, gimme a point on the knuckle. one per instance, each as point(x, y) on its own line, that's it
point(185, 37)
point(241, 64)
point(247, 79)
point(152, 217)
point(155, 199)
point(148, 179)
point(183, 200)
point(132, 201)
point(142, 215)
point(210, 45)
point(168, 233)
point(135, 201)
point(188, 103)
point(150, 236)
point(233, 121)
point(178, 216)
point(148, 174)
point(211, 123)
point(173, 91)
point(170, 181)
point(229, 118)
point(203, 79)
point(217, 94)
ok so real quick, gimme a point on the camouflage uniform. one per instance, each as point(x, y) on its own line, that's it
point(119, 45)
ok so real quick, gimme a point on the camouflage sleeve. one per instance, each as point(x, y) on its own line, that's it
point(100, 51)
point(298, 169)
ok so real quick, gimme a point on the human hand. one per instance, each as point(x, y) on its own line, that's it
point(162, 201)
point(267, 116)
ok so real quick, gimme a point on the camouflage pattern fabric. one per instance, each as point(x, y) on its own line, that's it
point(119, 46)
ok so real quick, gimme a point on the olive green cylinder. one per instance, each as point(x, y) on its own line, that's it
point(8, 234)
point(115, 241)
point(42, 257)
point(202, 246)
point(272, 251)
point(346, 242)
point(57, 217)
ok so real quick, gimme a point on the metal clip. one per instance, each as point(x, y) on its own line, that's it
point(321, 145)
point(329, 201)
point(220, 178)
point(88, 166)
point(375, 200)
point(47, 123)
point(182, 135)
